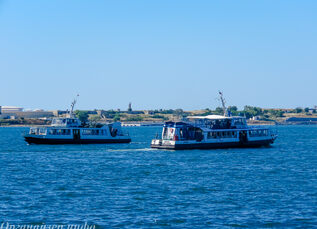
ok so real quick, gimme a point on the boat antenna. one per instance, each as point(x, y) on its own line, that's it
point(223, 103)
point(72, 106)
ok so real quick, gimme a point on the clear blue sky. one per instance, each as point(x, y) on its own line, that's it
point(158, 54)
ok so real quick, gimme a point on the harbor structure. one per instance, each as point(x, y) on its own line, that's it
point(10, 109)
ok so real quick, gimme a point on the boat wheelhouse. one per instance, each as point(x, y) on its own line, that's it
point(70, 130)
point(213, 131)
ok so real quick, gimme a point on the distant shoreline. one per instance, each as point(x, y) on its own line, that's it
point(146, 125)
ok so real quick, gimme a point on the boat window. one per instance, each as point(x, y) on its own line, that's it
point(86, 132)
point(181, 133)
point(164, 131)
point(93, 132)
point(258, 133)
point(168, 134)
point(212, 135)
point(33, 131)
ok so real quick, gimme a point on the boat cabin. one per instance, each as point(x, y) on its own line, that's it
point(181, 131)
point(66, 122)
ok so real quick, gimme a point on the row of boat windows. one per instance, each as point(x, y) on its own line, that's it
point(83, 132)
point(94, 132)
point(59, 132)
point(64, 121)
point(234, 134)
point(222, 134)
point(258, 133)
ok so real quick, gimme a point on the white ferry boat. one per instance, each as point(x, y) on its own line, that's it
point(70, 130)
point(213, 131)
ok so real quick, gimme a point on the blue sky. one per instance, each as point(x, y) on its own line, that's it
point(158, 54)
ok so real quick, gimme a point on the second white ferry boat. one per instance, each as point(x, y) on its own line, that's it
point(70, 130)
point(213, 131)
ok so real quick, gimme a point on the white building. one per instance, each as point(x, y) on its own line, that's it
point(10, 109)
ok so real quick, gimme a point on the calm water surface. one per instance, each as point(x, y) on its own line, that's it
point(133, 186)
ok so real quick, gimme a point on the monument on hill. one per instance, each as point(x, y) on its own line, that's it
point(130, 107)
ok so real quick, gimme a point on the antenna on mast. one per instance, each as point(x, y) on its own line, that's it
point(72, 106)
point(223, 103)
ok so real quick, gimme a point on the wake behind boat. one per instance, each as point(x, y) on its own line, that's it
point(70, 130)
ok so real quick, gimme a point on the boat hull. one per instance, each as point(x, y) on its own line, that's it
point(51, 141)
point(223, 145)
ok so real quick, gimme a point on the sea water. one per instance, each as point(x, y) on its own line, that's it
point(134, 186)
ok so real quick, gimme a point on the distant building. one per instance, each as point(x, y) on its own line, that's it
point(33, 114)
point(0, 110)
point(149, 112)
point(10, 109)
point(255, 118)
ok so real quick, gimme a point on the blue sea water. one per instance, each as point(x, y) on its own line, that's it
point(134, 186)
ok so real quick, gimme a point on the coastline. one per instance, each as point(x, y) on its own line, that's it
point(156, 125)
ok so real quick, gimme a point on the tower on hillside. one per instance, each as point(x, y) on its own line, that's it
point(130, 107)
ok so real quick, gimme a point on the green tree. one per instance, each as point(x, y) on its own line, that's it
point(82, 115)
point(298, 110)
point(178, 112)
point(250, 111)
point(276, 113)
point(94, 118)
point(207, 112)
point(233, 110)
point(116, 118)
point(219, 111)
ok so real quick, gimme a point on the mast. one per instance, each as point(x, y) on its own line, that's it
point(223, 103)
point(72, 106)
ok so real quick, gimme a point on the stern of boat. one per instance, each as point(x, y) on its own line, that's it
point(155, 143)
point(273, 134)
point(163, 144)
